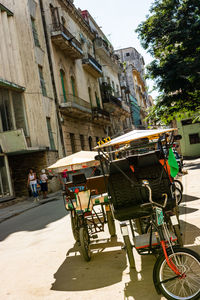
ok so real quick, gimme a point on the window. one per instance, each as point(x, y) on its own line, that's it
point(97, 100)
point(35, 34)
point(12, 111)
point(82, 142)
point(63, 82)
point(73, 86)
point(72, 141)
point(127, 54)
point(6, 121)
point(19, 111)
point(50, 132)
point(42, 82)
point(90, 143)
point(194, 138)
point(89, 93)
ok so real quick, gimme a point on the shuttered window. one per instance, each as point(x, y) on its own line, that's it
point(42, 82)
point(50, 132)
point(35, 34)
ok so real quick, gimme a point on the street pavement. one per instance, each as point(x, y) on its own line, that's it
point(39, 259)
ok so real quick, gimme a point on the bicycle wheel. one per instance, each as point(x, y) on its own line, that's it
point(129, 251)
point(85, 243)
point(111, 223)
point(75, 229)
point(178, 194)
point(178, 184)
point(173, 286)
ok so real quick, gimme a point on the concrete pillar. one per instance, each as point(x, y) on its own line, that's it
point(3, 49)
point(8, 44)
point(16, 52)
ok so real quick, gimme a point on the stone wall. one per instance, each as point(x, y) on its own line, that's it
point(20, 165)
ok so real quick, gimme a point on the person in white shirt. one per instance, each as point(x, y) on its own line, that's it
point(32, 181)
point(44, 183)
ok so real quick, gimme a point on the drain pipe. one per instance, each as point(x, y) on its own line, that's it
point(52, 75)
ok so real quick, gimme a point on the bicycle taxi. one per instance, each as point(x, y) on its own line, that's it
point(86, 198)
point(143, 197)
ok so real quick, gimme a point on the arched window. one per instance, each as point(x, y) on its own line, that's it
point(90, 142)
point(63, 82)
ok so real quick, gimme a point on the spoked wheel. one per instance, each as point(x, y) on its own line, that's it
point(111, 223)
point(173, 286)
point(85, 243)
point(75, 229)
point(129, 251)
point(178, 184)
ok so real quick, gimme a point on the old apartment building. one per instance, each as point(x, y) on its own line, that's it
point(29, 136)
point(133, 77)
point(114, 101)
point(59, 88)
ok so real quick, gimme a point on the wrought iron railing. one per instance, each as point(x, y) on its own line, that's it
point(62, 28)
point(98, 110)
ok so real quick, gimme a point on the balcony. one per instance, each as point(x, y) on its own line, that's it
point(63, 39)
point(101, 49)
point(92, 66)
point(100, 116)
point(75, 107)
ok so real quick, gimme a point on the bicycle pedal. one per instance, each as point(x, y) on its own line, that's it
point(95, 236)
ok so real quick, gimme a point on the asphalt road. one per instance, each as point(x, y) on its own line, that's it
point(39, 259)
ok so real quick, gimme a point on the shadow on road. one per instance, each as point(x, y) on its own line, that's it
point(35, 219)
point(188, 198)
point(141, 284)
point(104, 269)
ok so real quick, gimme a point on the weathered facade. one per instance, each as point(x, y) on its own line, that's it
point(77, 73)
point(113, 99)
point(28, 121)
point(133, 75)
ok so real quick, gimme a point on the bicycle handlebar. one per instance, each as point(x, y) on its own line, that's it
point(146, 184)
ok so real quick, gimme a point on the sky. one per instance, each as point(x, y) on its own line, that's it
point(119, 19)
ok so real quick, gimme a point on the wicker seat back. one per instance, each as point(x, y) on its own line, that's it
point(128, 194)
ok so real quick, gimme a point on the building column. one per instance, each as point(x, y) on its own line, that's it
point(10, 61)
point(3, 48)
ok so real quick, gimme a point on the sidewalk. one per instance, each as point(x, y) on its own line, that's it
point(7, 212)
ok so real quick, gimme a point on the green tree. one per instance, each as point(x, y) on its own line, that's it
point(171, 34)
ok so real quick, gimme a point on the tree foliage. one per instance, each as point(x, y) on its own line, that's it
point(171, 33)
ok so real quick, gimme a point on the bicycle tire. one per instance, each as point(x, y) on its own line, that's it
point(170, 285)
point(85, 243)
point(178, 184)
point(75, 230)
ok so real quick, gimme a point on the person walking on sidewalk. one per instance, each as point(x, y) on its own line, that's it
point(44, 183)
point(32, 181)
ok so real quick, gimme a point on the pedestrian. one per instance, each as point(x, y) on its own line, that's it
point(32, 182)
point(44, 183)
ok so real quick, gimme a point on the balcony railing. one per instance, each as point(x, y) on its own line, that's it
point(98, 110)
point(63, 38)
point(92, 66)
point(75, 106)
